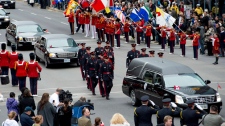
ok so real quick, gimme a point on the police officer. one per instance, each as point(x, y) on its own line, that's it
point(33, 70)
point(151, 53)
point(166, 110)
point(92, 73)
point(99, 50)
point(4, 60)
point(81, 53)
point(109, 54)
point(189, 116)
point(132, 54)
point(143, 54)
point(107, 75)
point(100, 61)
point(108, 45)
point(21, 71)
point(160, 54)
point(86, 57)
point(13, 57)
point(143, 114)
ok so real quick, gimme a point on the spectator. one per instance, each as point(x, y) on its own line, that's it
point(174, 7)
point(167, 121)
point(38, 120)
point(199, 10)
point(27, 100)
point(54, 98)
point(47, 110)
point(118, 120)
point(25, 118)
point(222, 44)
point(20, 97)
point(208, 36)
point(12, 105)
point(65, 114)
point(98, 122)
point(85, 119)
point(213, 118)
point(11, 120)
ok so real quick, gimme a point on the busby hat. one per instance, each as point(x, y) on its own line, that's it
point(20, 56)
point(117, 19)
point(32, 56)
point(3, 46)
point(13, 47)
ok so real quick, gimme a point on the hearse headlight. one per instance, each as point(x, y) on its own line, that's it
point(6, 19)
point(20, 39)
point(179, 99)
point(218, 98)
point(52, 55)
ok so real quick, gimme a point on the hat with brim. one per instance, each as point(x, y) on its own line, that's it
point(152, 52)
point(166, 100)
point(144, 98)
point(28, 109)
point(191, 101)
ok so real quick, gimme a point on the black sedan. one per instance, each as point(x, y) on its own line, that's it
point(23, 33)
point(4, 18)
point(56, 49)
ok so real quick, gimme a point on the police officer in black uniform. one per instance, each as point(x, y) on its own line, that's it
point(86, 57)
point(107, 75)
point(99, 50)
point(108, 45)
point(151, 53)
point(143, 54)
point(109, 54)
point(81, 53)
point(100, 61)
point(132, 54)
point(92, 73)
point(143, 114)
point(160, 54)
point(167, 110)
point(190, 116)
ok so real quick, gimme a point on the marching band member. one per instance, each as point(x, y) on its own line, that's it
point(13, 57)
point(117, 32)
point(163, 38)
point(93, 25)
point(148, 33)
point(182, 43)
point(126, 29)
point(172, 38)
point(196, 38)
point(111, 32)
point(98, 29)
point(81, 20)
point(107, 29)
point(4, 60)
point(87, 21)
point(77, 16)
point(102, 24)
point(139, 31)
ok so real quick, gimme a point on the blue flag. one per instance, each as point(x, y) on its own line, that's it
point(134, 16)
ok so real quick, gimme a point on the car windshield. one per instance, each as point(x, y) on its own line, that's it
point(61, 42)
point(2, 12)
point(29, 28)
point(183, 80)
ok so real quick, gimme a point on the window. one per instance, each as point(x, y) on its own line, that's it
point(158, 79)
point(148, 77)
point(61, 42)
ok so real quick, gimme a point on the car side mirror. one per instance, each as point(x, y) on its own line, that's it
point(207, 81)
point(7, 13)
point(157, 85)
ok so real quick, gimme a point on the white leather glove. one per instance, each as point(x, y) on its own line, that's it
point(154, 28)
point(187, 35)
point(97, 77)
point(88, 76)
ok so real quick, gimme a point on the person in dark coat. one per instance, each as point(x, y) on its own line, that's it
point(65, 114)
point(143, 54)
point(132, 54)
point(143, 114)
point(25, 117)
point(27, 100)
point(189, 116)
point(222, 43)
point(168, 120)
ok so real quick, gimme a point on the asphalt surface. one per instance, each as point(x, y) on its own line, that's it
point(68, 76)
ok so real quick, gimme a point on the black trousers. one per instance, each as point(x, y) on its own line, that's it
point(148, 40)
point(172, 43)
point(72, 27)
point(101, 87)
point(108, 86)
point(138, 37)
point(117, 40)
point(127, 36)
point(183, 49)
point(102, 35)
point(99, 33)
point(111, 39)
point(80, 25)
point(93, 83)
point(209, 48)
point(77, 21)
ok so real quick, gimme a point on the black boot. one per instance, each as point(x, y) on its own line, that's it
point(216, 62)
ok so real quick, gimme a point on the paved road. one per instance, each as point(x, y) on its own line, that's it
point(68, 77)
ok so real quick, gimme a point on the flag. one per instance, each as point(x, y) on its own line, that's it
point(163, 18)
point(134, 16)
point(84, 4)
point(71, 5)
point(218, 86)
point(145, 13)
point(107, 10)
point(99, 5)
point(120, 15)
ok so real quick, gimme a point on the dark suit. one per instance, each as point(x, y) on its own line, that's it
point(166, 111)
point(84, 121)
point(222, 38)
point(143, 115)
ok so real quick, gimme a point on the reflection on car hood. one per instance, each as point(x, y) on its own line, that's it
point(30, 34)
point(193, 90)
point(63, 49)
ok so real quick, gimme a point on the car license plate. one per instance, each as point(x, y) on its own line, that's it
point(5, 4)
point(66, 60)
point(204, 106)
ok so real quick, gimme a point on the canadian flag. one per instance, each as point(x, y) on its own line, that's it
point(176, 87)
point(99, 5)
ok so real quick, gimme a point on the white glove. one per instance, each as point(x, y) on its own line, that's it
point(173, 105)
point(88, 76)
point(97, 77)
point(175, 33)
point(141, 27)
point(154, 28)
point(187, 35)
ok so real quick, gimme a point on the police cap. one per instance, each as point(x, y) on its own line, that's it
point(191, 101)
point(106, 47)
point(93, 53)
point(88, 48)
point(145, 98)
point(143, 49)
point(133, 45)
point(78, 44)
point(83, 44)
point(152, 52)
point(107, 42)
point(166, 100)
point(99, 42)
point(160, 53)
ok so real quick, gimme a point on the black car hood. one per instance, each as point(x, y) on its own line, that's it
point(193, 90)
point(63, 49)
point(30, 34)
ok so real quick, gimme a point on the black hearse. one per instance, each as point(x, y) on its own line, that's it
point(160, 78)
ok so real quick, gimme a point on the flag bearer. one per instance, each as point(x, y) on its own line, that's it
point(148, 33)
point(117, 32)
point(126, 29)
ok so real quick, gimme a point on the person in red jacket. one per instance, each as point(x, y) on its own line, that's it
point(111, 30)
point(163, 38)
point(93, 25)
point(33, 70)
point(4, 60)
point(183, 38)
point(77, 15)
point(172, 40)
point(117, 32)
point(13, 57)
point(102, 25)
point(87, 22)
point(148, 33)
point(71, 21)
point(196, 38)
point(126, 29)
point(216, 45)
point(139, 31)
point(81, 20)
point(21, 71)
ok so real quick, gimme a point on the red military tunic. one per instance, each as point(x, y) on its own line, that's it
point(21, 68)
point(77, 13)
point(81, 18)
point(71, 17)
point(139, 25)
point(117, 29)
point(163, 33)
point(107, 27)
point(33, 68)
point(4, 59)
point(195, 39)
point(13, 57)
point(182, 38)
point(102, 23)
point(94, 19)
point(148, 30)
point(216, 46)
point(111, 28)
point(87, 18)
point(97, 24)
point(172, 35)
point(126, 27)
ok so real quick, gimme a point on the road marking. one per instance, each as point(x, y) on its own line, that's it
point(20, 9)
point(48, 18)
point(14, 19)
point(3, 42)
point(64, 23)
point(33, 13)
